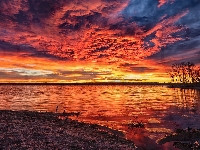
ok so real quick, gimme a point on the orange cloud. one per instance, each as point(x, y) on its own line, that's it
point(86, 35)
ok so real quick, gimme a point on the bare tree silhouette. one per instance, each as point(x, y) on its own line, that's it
point(185, 73)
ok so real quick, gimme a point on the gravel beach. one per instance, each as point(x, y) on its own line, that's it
point(39, 130)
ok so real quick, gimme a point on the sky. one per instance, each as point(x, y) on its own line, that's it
point(96, 40)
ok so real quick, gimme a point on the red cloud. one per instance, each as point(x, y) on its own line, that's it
point(84, 30)
point(81, 30)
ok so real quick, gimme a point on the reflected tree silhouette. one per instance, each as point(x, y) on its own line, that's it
point(188, 100)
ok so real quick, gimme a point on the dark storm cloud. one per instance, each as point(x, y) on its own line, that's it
point(145, 12)
point(28, 10)
point(44, 8)
point(12, 48)
point(84, 21)
point(183, 51)
point(24, 50)
point(148, 14)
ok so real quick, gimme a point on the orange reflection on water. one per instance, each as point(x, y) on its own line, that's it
point(158, 107)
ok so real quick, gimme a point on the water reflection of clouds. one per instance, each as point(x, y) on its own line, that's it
point(126, 99)
point(158, 107)
point(186, 111)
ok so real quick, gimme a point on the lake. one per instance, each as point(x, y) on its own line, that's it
point(161, 109)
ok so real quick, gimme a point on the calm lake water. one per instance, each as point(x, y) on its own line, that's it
point(161, 109)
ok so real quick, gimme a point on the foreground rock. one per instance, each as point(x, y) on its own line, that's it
point(184, 139)
point(25, 130)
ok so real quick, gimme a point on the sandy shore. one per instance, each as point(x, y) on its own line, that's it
point(36, 130)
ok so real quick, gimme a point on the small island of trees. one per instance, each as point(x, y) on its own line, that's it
point(185, 73)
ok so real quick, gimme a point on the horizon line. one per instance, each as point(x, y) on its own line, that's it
point(85, 83)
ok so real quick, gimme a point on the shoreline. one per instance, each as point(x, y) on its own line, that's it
point(42, 130)
point(184, 86)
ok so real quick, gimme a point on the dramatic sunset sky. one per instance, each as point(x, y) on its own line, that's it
point(96, 40)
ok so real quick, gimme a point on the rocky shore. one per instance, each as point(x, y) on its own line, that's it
point(39, 130)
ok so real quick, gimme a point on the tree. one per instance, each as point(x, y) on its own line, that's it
point(185, 73)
